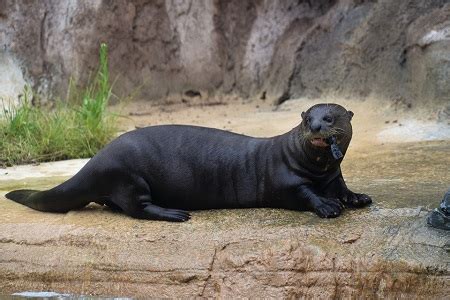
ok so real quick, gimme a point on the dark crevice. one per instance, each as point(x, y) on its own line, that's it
point(42, 33)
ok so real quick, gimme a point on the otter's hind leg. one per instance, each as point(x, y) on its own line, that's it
point(154, 212)
point(135, 200)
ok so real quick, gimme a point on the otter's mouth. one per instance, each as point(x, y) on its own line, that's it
point(319, 142)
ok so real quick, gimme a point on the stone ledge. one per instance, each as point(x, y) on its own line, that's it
point(238, 253)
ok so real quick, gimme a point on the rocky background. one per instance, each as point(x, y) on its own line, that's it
point(279, 50)
point(172, 50)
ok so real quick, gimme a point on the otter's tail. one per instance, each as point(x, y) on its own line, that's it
point(49, 201)
point(20, 196)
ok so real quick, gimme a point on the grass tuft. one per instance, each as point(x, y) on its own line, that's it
point(74, 129)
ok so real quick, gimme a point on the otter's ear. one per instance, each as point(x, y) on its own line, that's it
point(303, 115)
point(350, 115)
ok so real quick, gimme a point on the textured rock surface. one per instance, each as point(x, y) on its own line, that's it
point(12, 82)
point(397, 50)
point(263, 253)
point(384, 251)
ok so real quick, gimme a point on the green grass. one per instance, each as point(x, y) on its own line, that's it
point(76, 128)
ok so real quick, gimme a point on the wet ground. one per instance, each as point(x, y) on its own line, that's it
point(383, 250)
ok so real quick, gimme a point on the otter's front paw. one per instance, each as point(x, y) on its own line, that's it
point(356, 200)
point(328, 208)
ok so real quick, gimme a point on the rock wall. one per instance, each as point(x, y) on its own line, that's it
point(278, 49)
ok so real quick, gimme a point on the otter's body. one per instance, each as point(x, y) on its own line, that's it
point(158, 172)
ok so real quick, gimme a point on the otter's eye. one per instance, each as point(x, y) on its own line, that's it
point(328, 119)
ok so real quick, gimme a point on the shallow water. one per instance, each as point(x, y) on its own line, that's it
point(53, 295)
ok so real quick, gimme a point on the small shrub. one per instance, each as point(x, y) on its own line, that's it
point(74, 129)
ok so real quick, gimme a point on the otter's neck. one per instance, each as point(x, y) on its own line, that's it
point(299, 153)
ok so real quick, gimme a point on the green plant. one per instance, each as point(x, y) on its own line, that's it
point(95, 99)
point(74, 129)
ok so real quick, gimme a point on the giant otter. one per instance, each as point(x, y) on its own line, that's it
point(160, 172)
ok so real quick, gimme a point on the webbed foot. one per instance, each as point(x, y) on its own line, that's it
point(328, 207)
point(154, 212)
point(356, 200)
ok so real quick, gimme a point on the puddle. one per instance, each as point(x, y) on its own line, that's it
point(53, 295)
point(46, 295)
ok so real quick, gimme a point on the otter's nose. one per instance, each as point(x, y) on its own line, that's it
point(315, 127)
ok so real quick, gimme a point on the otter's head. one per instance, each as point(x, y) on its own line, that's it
point(323, 121)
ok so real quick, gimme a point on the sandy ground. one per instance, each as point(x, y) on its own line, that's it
point(374, 122)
